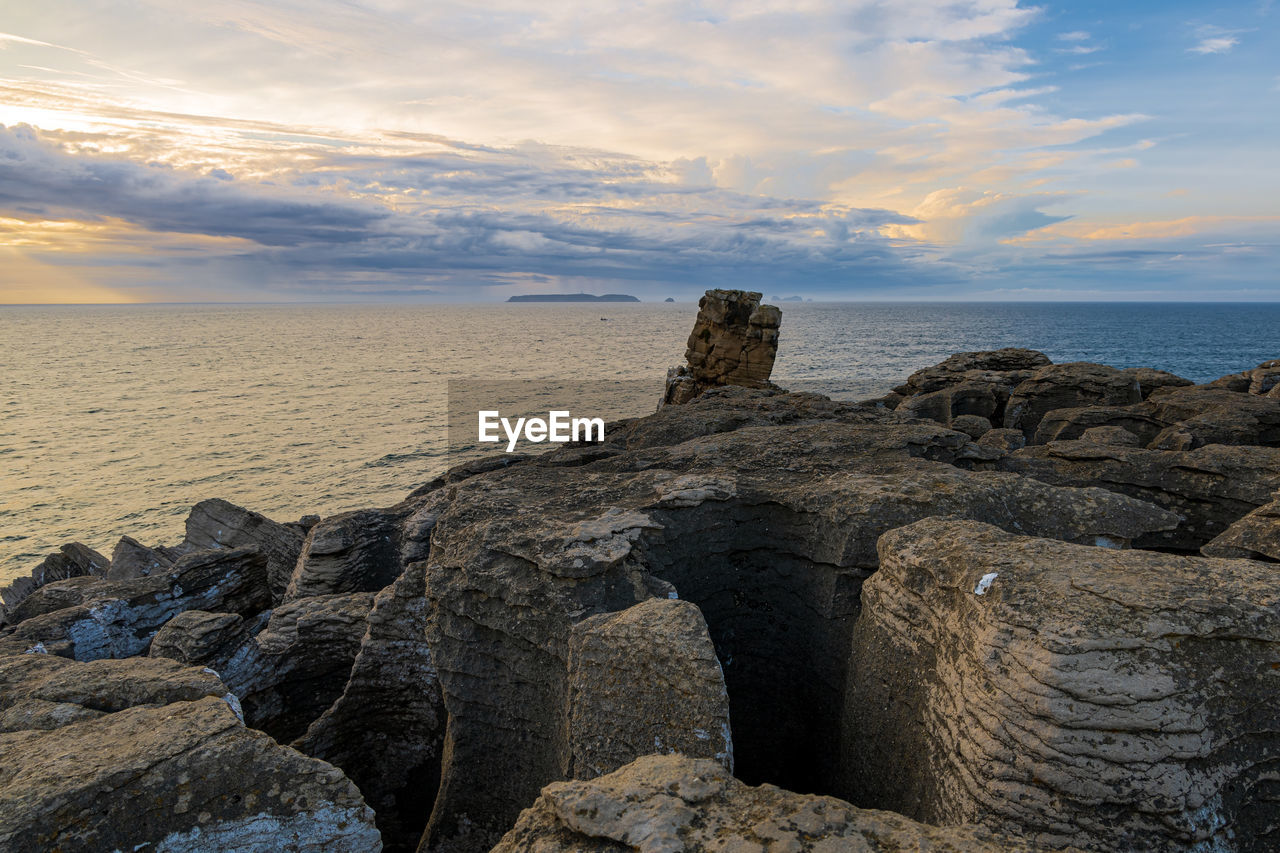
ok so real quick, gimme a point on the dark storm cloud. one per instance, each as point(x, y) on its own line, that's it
point(38, 179)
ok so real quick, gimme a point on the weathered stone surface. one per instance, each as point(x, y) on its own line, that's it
point(184, 777)
point(676, 804)
point(386, 730)
point(294, 669)
point(45, 692)
point(971, 425)
point(71, 561)
point(352, 552)
point(1150, 380)
point(734, 342)
point(1254, 537)
point(966, 365)
point(1118, 700)
point(131, 559)
point(215, 523)
point(645, 680)
point(1210, 488)
point(1113, 435)
point(117, 619)
point(200, 638)
point(1199, 416)
point(1003, 439)
point(769, 530)
point(1261, 380)
point(1059, 386)
point(1070, 424)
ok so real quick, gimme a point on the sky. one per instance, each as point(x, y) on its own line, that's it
point(375, 150)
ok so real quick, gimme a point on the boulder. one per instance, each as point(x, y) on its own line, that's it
point(1112, 435)
point(672, 803)
point(46, 692)
point(1114, 700)
point(1254, 537)
point(1151, 381)
point(1071, 424)
point(973, 426)
point(216, 523)
point(1003, 439)
point(187, 776)
point(351, 552)
point(1071, 385)
point(645, 679)
point(131, 559)
point(71, 561)
point(1007, 366)
point(297, 666)
point(733, 342)
point(117, 619)
point(1261, 380)
point(1209, 488)
point(386, 730)
point(201, 638)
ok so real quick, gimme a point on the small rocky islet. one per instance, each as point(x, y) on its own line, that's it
point(1012, 605)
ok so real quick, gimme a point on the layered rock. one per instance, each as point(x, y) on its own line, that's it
point(1261, 380)
point(117, 619)
point(768, 529)
point(201, 638)
point(1072, 385)
point(1107, 699)
point(672, 804)
point(216, 523)
point(1209, 488)
point(131, 559)
point(352, 552)
point(1254, 537)
point(187, 776)
point(645, 680)
point(734, 342)
point(386, 730)
point(71, 561)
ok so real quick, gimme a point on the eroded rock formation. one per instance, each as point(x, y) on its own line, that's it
point(734, 342)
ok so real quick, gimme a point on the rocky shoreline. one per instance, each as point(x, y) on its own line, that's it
point(1012, 605)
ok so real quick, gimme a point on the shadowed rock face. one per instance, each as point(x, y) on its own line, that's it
point(216, 523)
point(71, 561)
point(352, 552)
point(769, 530)
point(660, 804)
point(1117, 700)
point(1059, 386)
point(1254, 537)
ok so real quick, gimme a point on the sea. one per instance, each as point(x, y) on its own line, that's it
point(116, 419)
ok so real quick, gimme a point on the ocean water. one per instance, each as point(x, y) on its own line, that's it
point(116, 419)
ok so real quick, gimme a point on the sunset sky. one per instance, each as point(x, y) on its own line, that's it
point(375, 150)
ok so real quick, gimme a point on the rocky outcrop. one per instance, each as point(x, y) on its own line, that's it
point(645, 680)
point(131, 559)
point(673, 804)
point(386, 730)
point(1209, 488)
point(768, 529)
point(117, 619)
point(1254, 537)
point(187, 776)
point(216, 523)
point(352, 552)
point(71, 561)
point(1261, 380)
point(734, 342)
point(1115, 700)
point(1072, 385)
point(201, 638)
point(46, 692)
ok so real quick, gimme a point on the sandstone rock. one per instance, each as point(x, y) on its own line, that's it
point(1151, 381)
point(183, 777)
point(386, 730)
point(673, 804)
point(733, 342)
point(200, 638)
point(1112, 435)
point(294, 669)
point(46, 692)
point(1210, 488)
point(645, 680)
point(1261, 380)
point(1071, 424)
point(960, 366)
point(1116, 700)
point(1201, 416)
point(131, 559)
point(215, 523)
point(1254, 537)
point(971, 425)
point(72, 560)
point(117, 619)
point(1003, 439)
point(768, 529)
point(352, 552)
point(1059, 386)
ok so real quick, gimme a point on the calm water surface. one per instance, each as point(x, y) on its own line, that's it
point(116, 419)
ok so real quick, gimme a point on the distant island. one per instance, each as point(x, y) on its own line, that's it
point(573, 297)
point(789, 299)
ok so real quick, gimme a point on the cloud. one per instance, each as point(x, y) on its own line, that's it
point(1215, 44)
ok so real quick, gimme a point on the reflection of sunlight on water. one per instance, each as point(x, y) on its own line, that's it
point(116, 419)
